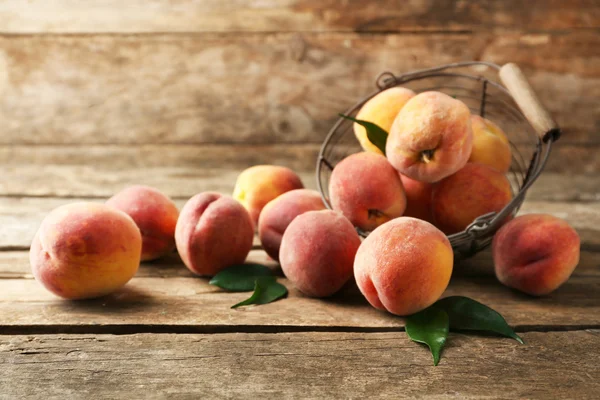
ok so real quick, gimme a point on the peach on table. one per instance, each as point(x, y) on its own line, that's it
point(317, 252)
point(85, 250)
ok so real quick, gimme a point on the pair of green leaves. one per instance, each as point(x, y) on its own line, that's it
point(431, 325)
point(376, 134)
point(248, 277)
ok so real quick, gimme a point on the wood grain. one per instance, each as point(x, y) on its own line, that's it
point(182, 171)
point(149, 304)
point(252, 88)
point(285, 365)
point(21, 217)
point(136, 16)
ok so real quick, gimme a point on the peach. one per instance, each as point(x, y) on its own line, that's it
point(381, 110)
point(431, 138)
point(490, 145)
point(258, 185)
point(367, 190)
point(535, 253)
point(279, 213)
point(154, 213)
point(317, 252)
point(85, 250)
point(473, 191)
point(213, 232)
point(418, 199)
point(404, 266)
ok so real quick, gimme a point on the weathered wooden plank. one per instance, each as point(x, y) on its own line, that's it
point(65, 16)
point(20, 217)
point(182, 171)
point(254, 88)
point(313, 365)
point(192, 304)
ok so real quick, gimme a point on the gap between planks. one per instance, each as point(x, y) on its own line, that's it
point(264, 329)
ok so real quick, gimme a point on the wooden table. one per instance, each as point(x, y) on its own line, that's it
point(170, 334)
point(182, 95)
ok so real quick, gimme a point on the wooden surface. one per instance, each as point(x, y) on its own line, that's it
point(67, 16)
point(184, 94)
point(313, 365)
point(170, 332)
point(284, 88)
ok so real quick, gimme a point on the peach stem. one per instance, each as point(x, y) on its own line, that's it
point(427, 155)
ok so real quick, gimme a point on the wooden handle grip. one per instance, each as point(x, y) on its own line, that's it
point(530, 105)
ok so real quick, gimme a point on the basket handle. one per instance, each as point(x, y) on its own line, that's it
point(512, 77)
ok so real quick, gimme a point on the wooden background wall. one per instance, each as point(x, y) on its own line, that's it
point(98, 94)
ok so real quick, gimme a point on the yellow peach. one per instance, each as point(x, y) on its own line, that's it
point(490, 145)
point(258, 185)
point(381, 110)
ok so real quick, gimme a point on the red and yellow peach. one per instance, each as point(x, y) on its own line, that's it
point(535, 253)
point(367, 190)
point(317, 252)
point(418, 199)
point(277, 215)
point(213, 232)
point(404, 266)
point(154, 213)
point(473, 191)
point(431, 138)
point(258, 185)
point(85, 250)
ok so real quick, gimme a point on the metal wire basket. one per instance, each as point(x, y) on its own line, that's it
point(512, 105)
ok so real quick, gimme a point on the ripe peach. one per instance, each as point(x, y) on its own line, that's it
point(317, 252)
point(279, 213)
point(154, 213)
point(367, 190)
point(418, 199)
point(471, 192)
point(535, 253)
point(490, 145)
point(381, 110)
point(431, 138)
point(404, 266)
point(258, 185)
point(85, 250)
point(213, 232)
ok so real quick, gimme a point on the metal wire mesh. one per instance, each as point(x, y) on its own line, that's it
point(473, 83)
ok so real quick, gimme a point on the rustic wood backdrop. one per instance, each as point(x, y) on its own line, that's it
point(165, 92)
point(182, 94)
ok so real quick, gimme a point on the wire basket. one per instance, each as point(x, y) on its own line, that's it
point(512, 105)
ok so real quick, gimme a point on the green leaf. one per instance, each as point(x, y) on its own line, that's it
point(468, 314)
point(241, 277)
point(376, 134)
point(430, 327)
point(265, 291)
